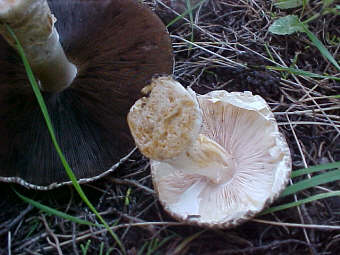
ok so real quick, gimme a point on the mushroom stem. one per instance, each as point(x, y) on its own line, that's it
point(166, 127)
point(206, 158)
point(33, 24)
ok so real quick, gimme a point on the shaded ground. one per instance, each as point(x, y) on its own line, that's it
point(227, 36)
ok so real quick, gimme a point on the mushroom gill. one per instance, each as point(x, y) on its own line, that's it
point(245, 127)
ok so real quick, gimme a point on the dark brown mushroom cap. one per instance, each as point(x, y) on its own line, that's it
point(117, 46)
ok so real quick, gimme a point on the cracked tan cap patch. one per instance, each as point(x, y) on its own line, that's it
point(165, 122)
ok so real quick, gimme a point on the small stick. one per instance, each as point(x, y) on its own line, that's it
point(9, 243)
point(56, 243)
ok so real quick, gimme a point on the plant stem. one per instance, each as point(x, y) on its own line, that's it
point(33, 24)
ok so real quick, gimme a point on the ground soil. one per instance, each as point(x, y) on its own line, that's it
point(230, 51)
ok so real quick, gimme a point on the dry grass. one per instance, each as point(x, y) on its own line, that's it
point(231, 45)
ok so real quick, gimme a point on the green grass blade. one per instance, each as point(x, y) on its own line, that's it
point(317, 43)
point(191, 16)
point(142, 249)
point(158, 244)
point(164, 241)
point(53, 211)
point(180, 248)
point(43, 107)
point(314, 169)
point(312, 182)
point(189, 10)
point(85, 248)
point(300, 202)
point(268, 52)
point(301, 72)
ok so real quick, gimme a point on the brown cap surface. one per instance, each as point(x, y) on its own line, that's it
point(117, 46)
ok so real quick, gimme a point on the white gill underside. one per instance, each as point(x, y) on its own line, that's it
point(261, 156)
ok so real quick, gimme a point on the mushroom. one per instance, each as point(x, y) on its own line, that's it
point(91, 58)
point(216, 159)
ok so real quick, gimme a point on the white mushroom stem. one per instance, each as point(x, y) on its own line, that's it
point(166, 127)
point(206, 158)
point(33, 24)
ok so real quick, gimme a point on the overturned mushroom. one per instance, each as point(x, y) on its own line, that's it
point(91, 58)
point(236, 164)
